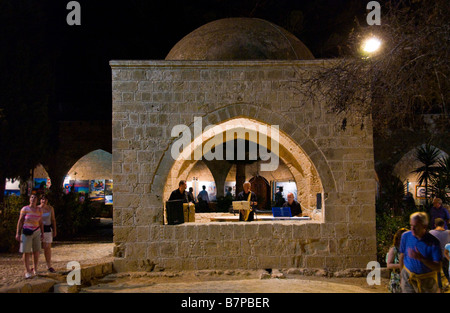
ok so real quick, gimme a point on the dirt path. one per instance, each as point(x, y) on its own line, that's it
point(94, 248)
point(12, 269)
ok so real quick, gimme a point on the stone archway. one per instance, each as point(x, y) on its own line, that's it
point(302, 168)
point(75, 139)
point(151, 97)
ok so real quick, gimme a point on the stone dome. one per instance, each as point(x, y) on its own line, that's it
point(240, 39)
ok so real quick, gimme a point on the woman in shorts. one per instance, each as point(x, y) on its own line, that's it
point(49, 221)
point(31, 227)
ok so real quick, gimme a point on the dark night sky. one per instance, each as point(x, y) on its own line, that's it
point(146, 29)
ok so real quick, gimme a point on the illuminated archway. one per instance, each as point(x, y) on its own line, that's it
point(290, 153)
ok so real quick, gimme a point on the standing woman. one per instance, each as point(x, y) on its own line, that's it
point(49, 221)
point(392, 261)
point(30, 224)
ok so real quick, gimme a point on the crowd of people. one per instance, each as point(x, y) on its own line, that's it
point(35, 231)
point(202, 200)
point(419, 257)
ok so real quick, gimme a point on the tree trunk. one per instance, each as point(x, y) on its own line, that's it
point(2, 187)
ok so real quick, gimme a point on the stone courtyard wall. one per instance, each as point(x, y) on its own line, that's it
point(151, 97)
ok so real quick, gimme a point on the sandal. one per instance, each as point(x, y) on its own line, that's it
point(51, 270)
point(28, 275)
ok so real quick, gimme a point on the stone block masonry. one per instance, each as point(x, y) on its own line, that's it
point(151, 97)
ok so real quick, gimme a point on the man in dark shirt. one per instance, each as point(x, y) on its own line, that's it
point(244, 196)
point(180, 193)
point(190, 195)
point(279, 200)
point(438, 211)
point(296, 209)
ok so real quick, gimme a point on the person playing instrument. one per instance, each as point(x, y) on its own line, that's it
point(296, 209)
point(247, 195)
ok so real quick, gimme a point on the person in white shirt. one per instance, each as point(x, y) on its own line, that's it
point(203, 194)
point(443, 236)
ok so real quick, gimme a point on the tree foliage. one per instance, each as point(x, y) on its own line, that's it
point(440, 184)
point(428, 156)
point(25, 87)
point(406, 78)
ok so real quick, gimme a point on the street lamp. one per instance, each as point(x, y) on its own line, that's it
point(371, 45)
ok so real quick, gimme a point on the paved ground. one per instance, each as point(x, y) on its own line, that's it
point(247, 282)
point(90, 250)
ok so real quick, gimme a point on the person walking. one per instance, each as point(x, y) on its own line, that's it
point(443, 236)
point(439, 211)
point(447, 257)
point(49, 222)
point(393, 264)
point(420, 257)
point(30, 232)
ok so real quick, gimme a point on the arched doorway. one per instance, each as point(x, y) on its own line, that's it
point(261, 187)
point(300, 167)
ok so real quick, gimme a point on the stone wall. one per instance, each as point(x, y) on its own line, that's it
point(151, 97)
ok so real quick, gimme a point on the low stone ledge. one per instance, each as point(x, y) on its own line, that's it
point(66, 288)
point(347, 273)
point(56, 282)
point(38, 285)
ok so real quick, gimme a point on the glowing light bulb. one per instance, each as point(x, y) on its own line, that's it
point(371, 45)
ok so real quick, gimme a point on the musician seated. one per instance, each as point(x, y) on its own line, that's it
point(247, 195)
point(180, 193)
point(296, 209)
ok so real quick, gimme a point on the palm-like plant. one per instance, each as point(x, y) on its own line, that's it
point(441, 184)
point(393, 192)
point(428, 156)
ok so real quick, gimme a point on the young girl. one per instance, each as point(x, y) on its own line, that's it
point(49, 221)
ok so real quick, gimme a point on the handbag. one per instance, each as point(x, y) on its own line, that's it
point(28, 232)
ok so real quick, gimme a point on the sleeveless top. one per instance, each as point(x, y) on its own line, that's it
point(47, 217)
point(32, 217)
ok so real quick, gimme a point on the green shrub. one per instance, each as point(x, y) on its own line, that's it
point(9, 216)
point(72, 216)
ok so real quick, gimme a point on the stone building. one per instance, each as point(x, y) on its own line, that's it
point(236, 74)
